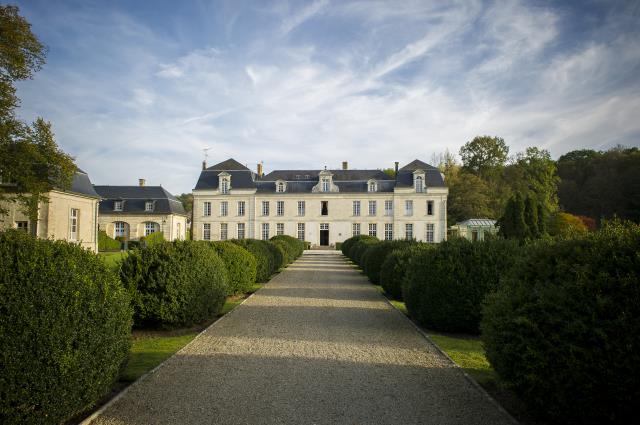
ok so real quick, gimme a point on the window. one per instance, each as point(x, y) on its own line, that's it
point(301, 207)
point(150, 227)
point(224, 209)
point(408, 231)
point(22, 225)
point(240, 230)
point(74, 214)
point(280, 187)
point(325, 184)
point(356, 208)
point(265, 231)
point(117, 205)
point(355, 229)
point(224, 186)
point(474, 235)
point(408, 207)
point(324, 226)
point(373, 229)
point(120, 229)
point(279, 229)
point(419, 184)
point(265, 207)
point(372, 186)
point(324, 207)
point(148, 206)
point(429, 207)
point(178, 233)
point(206, 231)
point(224, 231)
point(388, 231)
point(206, 209)
point(372, 207)
point(301, 231)
point(388, 207)
point(280, 208)
point(240, 208)
point(429, 237)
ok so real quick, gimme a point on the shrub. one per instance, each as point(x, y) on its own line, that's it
point(294, 247)
point(283, 256)
point(358, 249)
point(241, 266)
point(338, 246)
point(65, 326)
point(563, 328)
point(105, 243)
point(444, 287)
point(376, 254)
point(566, 225)
point(265, 260)
point(346, 245)
point(176, 283)
point(154, 238)
point(394, 268)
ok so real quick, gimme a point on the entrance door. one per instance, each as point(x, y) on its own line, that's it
point(324, 234)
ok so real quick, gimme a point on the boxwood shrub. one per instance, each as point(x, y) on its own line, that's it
point(295, 246)
point(347, 244)
point(173, 284)
point(265, 259)
point(65, 326)
point(154, 238)
point(105, 243)
point(359, 248)
point(444, 287)
point(563, 330)
point(394, 268)
point(241, 266)
point(377, 254)
point(282, 254)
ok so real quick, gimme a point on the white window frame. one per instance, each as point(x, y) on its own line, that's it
point(265, 231)
point(301, 232)
point(355, 229)
point(388, 207)
point(373, 229)
point(22, 225)
point(408, 207)
point(119, 229)
point(178, 233)
point(206, 209)
point(419, 184)
point(224, 231)
point(147, 226)
point(118, 205)
point(206, 231)
point(373, 208)
point(224, 186)
point(280, 187)
point(430, 207)
point(388, 231)
point(224, 209)
point(265, 208)
point(356, 208)
point(372, 187)
point(280, 208)
point(74, 224)
point(408, 231)
point(301, 208)
point(241, 208)
point(241, 231)
point(430, 233)
point(279, 229)
point(148, 206)
point(326, 184)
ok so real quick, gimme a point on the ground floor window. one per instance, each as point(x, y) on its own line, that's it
point(265, 231)
point(150, 227)
point(73, 224)
point(373, 229)
point(279, 229)
point(408, 231)
point(388, 231)
point(301, 231)
point(355, 229)
point(241, 231)
point(430, 231)
point(224, 231)
point(22, 225)
point(206, 231)
point(120, 229)
point(178, 234)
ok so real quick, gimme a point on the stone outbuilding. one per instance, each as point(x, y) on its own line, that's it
point(474, 229)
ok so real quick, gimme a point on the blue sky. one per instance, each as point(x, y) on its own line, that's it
point(138, 89)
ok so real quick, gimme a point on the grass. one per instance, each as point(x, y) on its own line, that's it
point(468, 353)
point(112, 259)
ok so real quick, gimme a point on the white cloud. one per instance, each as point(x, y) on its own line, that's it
point(293, 21)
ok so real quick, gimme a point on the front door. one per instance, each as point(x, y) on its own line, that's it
point(324, 234)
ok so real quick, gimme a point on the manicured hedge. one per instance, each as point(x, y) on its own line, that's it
point(105, 243)
point(377, 254)
point(444, 287)
point(563, 330)
point(295, 247)
point(176, 283)
point(268, 261)
point(285, 257)
point(394, 268)
point(346, 245)
point(359, 249)
point(65, 326)
point(241, 266)
point(154, 238)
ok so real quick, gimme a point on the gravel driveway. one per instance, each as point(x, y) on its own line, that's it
point(317, 345)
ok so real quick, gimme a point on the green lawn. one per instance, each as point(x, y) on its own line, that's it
point(468, 353)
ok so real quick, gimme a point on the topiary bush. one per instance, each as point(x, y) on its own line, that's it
point(265, 260)
point(65, 326)
point(444, 287)
point(174, 284)
point(376, 255)
point(563, 329)
point(284, 256)
point(347, 244)
point(295, 247)
point(358, 249)
point(241, 266)
point(105, 243)
point(394, 268)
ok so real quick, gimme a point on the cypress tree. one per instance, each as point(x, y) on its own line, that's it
point(531, 218)
point(519, 223)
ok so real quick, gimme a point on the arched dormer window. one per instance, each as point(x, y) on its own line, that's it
point(281, 186)
point(326, 184)
point(372, 186)
point(418, 181)
point(224, 183)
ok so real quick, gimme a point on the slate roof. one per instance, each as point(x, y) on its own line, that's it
point(433, 177)
point(81, 184)
point(229, 164)
point(135, 197)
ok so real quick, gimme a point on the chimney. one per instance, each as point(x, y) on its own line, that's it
point(259, 169)
point(141, 182)
point(345, 165)
point(204, 165)
point(397, 163)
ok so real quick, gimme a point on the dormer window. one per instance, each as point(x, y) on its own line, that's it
point(224, 184)
point(148, 206)
point(117, 205)
point(280, 186)
point(419, 183)
point(326, 185)
point(373, 186)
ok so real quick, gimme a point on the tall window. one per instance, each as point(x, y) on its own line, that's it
point(280, 187)
point(372, 186)
point(206, 231)
point(74, 214)
point(178, 233)
point(301, 208)
point(429, 237)
point(408, 231)
point(241, 231)
point(224, 186)
point(22, 225)
point(429, 207)
point(372, 207)
point(120, 229)
point(324, 207)
point(224, 231)
point(279, 229)
point(301, 231)
point(148, 206)
point(206, 209)
point(265, 231)
point(388, 231)
point(356, 208)
point(224, 209)
point(265, 207)
point(150, 227)
point(355, 229)
point(419, 184)
point(408, 207)
point(240, 208)
point(325, 184)
point(117, 205)
point(280, 208)
point(373, 229)
point(388, 207)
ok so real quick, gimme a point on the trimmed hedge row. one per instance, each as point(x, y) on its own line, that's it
point(563, 329)
point(65, 326)
point(176, 283)
point(269, 259)
point(375, 256)
point(294, 247)
point(394, 268)
point(105, 243)
point(346, 245)
point(241, 266)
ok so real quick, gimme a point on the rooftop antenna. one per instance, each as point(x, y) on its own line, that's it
point(206, 153)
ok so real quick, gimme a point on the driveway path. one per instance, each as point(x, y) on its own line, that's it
point(317, 345)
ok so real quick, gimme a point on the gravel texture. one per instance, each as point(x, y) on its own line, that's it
point(316, 345)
